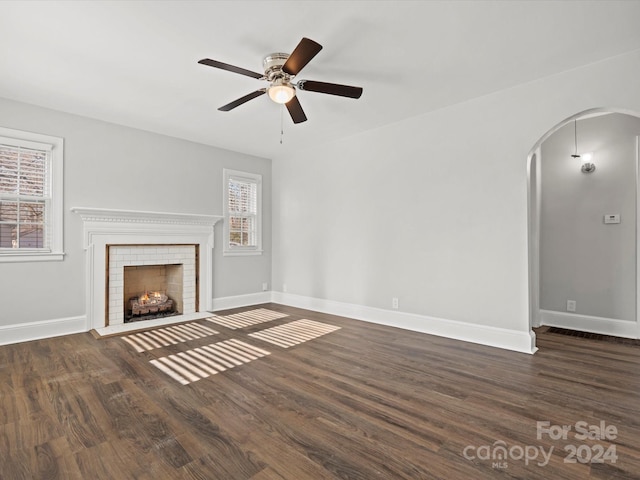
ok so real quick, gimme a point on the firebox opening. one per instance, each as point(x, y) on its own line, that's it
point(152, 291)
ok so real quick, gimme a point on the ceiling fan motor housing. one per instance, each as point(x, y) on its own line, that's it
point(272, 64)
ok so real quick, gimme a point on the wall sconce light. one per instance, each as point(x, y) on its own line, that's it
point(586, 160)
point(587, 163)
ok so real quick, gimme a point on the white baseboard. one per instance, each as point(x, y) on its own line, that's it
point(587, 323)
point(26, 332)
point(224, 303)
point(519, 341)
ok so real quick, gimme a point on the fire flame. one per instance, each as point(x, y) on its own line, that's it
point(147, 298)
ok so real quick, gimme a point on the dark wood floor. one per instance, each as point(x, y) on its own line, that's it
point(363, 402)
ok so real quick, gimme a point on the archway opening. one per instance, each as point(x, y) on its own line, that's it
point(583, 241)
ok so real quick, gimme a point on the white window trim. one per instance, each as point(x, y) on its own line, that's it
point(56, 250)
point(251, 177)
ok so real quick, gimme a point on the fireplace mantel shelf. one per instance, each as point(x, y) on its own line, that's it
point(133, 216)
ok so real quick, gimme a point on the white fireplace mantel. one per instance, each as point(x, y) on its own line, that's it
point(105, 227)
point(134, 216)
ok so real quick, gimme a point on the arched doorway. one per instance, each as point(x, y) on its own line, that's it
point(588, 283)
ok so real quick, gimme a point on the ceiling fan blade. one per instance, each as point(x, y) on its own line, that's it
point(295, 110)
point(301, 55)
point(240, 101)
point(230, 68)
point(330, 88)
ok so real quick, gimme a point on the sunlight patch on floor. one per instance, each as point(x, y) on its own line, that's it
point(163, 337)
point(247, 319)
point(193, 365)
point(294, 333)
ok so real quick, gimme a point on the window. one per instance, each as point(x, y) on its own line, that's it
point(242, 200)
point(30, 196)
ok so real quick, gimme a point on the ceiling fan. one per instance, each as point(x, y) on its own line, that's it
point(279, 70)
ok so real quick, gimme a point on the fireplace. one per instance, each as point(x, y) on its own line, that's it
point(137, 271)
point(176, 246)
point(152, 291)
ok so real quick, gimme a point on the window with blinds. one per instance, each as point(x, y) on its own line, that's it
point(24, 197)
point(27, 207)
point(242, 200)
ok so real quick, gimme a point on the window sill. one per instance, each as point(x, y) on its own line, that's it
point(31, 257)
point(240, 253)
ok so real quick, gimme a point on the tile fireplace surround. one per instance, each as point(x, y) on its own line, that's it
point(121, 256)
point(129, 231)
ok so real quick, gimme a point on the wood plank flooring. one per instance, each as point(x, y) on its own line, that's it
point(363, 401)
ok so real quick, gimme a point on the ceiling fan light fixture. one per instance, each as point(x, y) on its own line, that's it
point(281, 92)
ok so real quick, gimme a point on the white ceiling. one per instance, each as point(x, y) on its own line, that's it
point(135, 62)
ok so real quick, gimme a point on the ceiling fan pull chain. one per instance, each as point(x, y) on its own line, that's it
point(281, 122)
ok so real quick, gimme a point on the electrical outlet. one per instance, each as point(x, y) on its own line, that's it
point(284, 287)
point(265, 286)
point(571, 305)
point(394, 303)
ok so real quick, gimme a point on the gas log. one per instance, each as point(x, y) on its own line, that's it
point(149, 303)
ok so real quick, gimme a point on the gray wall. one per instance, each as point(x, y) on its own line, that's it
point(103, 167)
point(581, 258)
point(432, 210)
